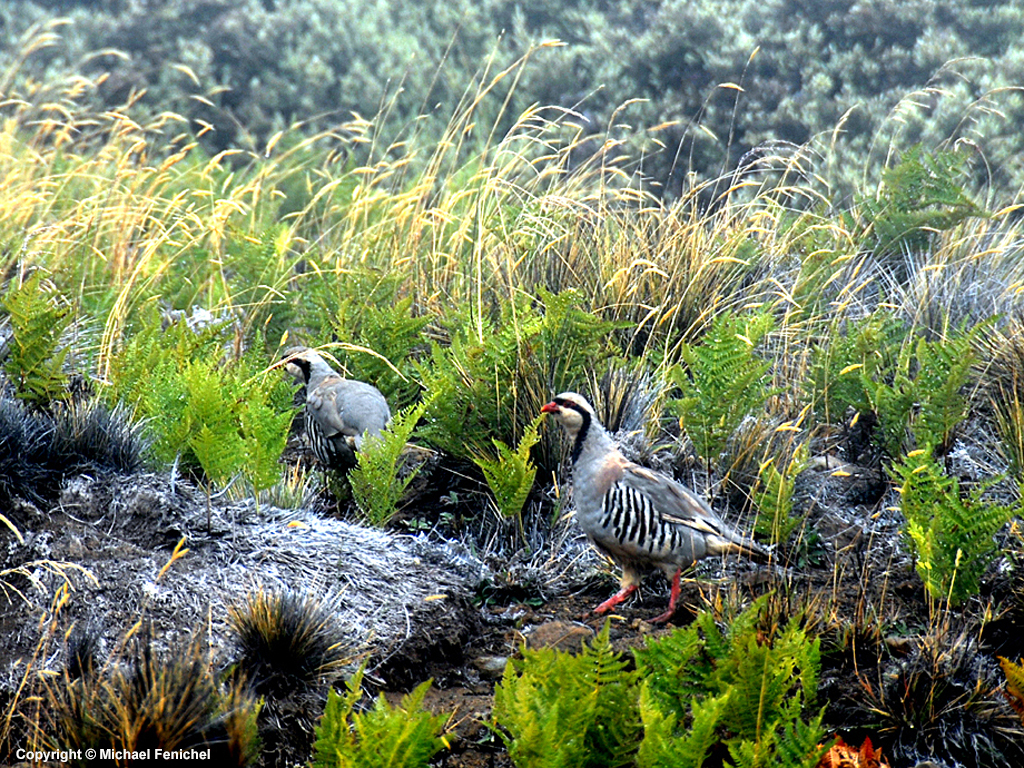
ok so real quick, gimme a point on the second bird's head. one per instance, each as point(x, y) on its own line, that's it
point(299, 362)
point(570, 410)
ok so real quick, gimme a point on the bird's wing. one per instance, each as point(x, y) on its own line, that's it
point(675, 504)
point(348, 407)
point(366, 409)
point(323, 403)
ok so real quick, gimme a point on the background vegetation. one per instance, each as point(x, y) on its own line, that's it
point(849, 302)
point(686, 86)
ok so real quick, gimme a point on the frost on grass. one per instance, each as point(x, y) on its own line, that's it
point(385, 590)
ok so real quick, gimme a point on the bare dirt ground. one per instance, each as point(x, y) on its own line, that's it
point(848, 576)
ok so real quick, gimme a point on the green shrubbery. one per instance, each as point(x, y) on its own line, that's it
point(700, 687)
point(223, 417)
point(250, 69)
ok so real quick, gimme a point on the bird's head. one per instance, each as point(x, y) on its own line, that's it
point(570, 410)
point(299, 362)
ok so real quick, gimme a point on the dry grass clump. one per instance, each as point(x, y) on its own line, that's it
point(944, 698)
point(288, 641)
point(38, 450)
point(147, 701)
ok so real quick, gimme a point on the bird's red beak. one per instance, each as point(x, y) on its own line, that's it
point(550, 408)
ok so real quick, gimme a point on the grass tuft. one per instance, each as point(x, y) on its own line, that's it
point(149, 701)
point(288, 641)
point(944, 698)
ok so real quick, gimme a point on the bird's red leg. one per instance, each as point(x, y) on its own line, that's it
point(673, 598)
point(615, 599)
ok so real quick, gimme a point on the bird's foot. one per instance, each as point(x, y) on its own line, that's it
point(664, 617)
point(673, 600)
point(614, 600)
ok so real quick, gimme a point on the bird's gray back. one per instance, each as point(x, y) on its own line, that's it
point(348, 407)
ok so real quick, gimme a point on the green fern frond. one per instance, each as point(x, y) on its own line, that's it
point(226, 419)
point(801, 743)
point(919, 196)
point(773, 497)
point(264, 432)
point(555, 709)
point(510, 476)
point(722, 381)
point(406, 736)
point(499, 368)
point(677, 667)
point(35, 361)
point(666, 745)
point(742, 687)
point(379, 333)
point(794, 744)
point(915, 388)
point(212, 421)
point(376, 481)
point(853, 357)
point(952, 536)
point(943, 371)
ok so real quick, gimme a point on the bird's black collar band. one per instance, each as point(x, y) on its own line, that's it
point(304, 366)
point(581, 436)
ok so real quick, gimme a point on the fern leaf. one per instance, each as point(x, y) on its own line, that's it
point(406, 736)
point(38, 319)
point(510, 476)
point(774, 497)
point(950, 535)
point(556, 709)
point(722, 381)
point(1014, 685)
point(799, 743)
point(376, 482)
point(665, 746)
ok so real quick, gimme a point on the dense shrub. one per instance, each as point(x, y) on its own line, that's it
point(802, 70)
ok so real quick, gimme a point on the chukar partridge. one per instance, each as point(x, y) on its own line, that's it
point(339, 411)
point(639, 518)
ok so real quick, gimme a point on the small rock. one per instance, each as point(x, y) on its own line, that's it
point(900, 645)
point(641, 626)
point(491, 667)
point(561, 635)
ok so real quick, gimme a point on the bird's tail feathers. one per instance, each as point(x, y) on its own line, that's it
point(735, 545)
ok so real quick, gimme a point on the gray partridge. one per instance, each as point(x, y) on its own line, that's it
point(339, 411)
point(639, 518)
